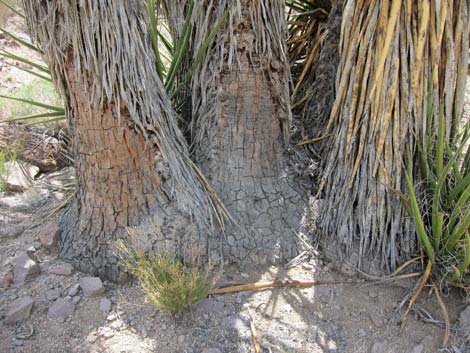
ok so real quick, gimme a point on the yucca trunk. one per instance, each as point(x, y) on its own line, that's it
point(240, 126)
point(398, 58)
point(319, 87)
point(126, 144)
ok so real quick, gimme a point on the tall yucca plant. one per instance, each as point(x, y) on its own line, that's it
point(395, 54)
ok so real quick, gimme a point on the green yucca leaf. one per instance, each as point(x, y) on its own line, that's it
point(180, 50)
point(440, 142)
point(457, 210)
point(35, 103)
point(458, 231)
point(465, 264)
point(12, 8)
point(42, 77)
point(416, 213)
point(59, 118)
point(154, 34)
point(462, 185)
point(21, 41)
point(24, 60)
point(205, 45)
point(165, 42)
point(455, 166)
point(35, 116)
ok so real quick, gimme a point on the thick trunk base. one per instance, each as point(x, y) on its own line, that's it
point(247, 168)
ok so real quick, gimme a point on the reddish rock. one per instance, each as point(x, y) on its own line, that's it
point(19, 309)
point(24, 268)
point(62, 270)
point(49, 235)
point(61, 309)
point(91, 286)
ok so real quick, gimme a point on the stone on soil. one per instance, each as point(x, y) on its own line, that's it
point(11, 230)
point(53, 294)
point(49, 235)
point(19, 177)
point(61, 309)
point(105, 305)
point(91, 286)
point(19, 309)
point(62, 270)
point(24, 268)
point(73, 291)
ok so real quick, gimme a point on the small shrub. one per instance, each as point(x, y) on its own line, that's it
point(168, 284)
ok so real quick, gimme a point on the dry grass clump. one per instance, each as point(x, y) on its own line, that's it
point(170, 285)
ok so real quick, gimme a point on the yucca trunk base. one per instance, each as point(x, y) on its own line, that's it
point(248, 171)
point(117, 183)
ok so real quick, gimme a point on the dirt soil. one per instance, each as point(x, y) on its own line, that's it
point(345, 318)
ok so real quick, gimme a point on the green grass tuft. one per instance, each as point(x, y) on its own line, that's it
point(168, 284)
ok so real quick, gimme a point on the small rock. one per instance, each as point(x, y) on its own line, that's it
point(19, 309)
point(19, 177)
point(7, 280)
point(49, 235)
point(332, 347)
point(376, 319)
point(117, 324)
point(73, 291)
point(181, 339)
point(373, 293)
point(105, 305)
point(61, 309)
point(245, 275)
point(91, 338)
point(53, 294)
point(61, 270)
point(24, 268)
point(379, 347)
point(11, 231)
point(111, 317)
point(418, 348)
point(91, 286)
point(76, 299)
point(107, 333)
point(212, 350)
point(464, 320)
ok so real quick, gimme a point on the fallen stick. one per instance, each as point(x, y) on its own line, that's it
point(275, 284)
point(254, 335)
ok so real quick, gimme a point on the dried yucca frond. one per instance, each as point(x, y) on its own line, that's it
point(395, 54)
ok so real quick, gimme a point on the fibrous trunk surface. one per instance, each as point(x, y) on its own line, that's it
point(396, 58)
point(240, 127)
point(125, 138)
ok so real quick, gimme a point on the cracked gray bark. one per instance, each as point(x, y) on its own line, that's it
point(132, 163)
point(240, 130)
